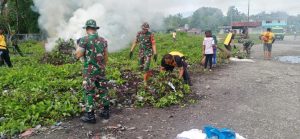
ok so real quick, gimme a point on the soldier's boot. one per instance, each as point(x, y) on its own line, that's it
point(89, 117)
point(189, 83)
point(104, 113)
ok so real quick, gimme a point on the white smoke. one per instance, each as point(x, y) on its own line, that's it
point(119, 20)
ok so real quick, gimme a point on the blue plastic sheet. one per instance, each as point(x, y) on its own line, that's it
point(223, 133)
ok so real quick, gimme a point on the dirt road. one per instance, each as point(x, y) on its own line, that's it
point(259, 100)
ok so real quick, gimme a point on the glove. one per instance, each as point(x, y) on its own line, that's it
point(155, 57)
point(130, 55)
point(74, 56)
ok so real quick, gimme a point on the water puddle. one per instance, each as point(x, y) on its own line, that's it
point(289, 59)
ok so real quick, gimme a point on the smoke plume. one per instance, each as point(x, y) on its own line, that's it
point(119, 20)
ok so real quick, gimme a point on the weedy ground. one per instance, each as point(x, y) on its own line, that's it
point(39, 91)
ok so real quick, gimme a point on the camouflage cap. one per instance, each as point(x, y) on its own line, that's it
point(91, 23)
point(145, 26)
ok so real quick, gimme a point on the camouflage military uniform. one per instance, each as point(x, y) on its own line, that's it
point(94, 83)
point(145, 41)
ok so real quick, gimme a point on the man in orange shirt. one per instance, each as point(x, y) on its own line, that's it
point(4, 53)
point(268, 39)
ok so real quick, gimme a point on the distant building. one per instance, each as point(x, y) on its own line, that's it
point(242, 25)
point(186, 26)
point(253, 27)
point(181, 29)
point(274, 23)
point(224, 29)
point(194, 31)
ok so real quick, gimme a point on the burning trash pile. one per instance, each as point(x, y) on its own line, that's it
point(61, 54)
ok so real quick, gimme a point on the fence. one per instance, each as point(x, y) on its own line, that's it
point(27, 37)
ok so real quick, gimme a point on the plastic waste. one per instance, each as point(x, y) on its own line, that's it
point(172, 86)
point(209, 132)
point(223, 133)
point(192, 134)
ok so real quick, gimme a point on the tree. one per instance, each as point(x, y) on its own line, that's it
point(4, 17)
point(234, 15)
point(19, 16)
point(175, 21)
point(294, 22)
point(207, 18)
point(2, 5)
point(271, 16)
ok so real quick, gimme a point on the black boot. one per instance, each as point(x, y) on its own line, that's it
point(104, 113)
point(88, 117)
point(189, 83)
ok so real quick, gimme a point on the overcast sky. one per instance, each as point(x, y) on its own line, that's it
point(187, 6)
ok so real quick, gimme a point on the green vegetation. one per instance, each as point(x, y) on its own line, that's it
point(35, 93)
point(44, 88)
point(161, 94)
point(32, 93)
point(211, 18)
point(205, 18)
point(18, 15)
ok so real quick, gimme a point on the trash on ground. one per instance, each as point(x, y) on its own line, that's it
point(209, 132)
point(172, 86)
point(241, 60)
point(27, 133)
point(192, 134)
point(58, 123)
point(289, 59)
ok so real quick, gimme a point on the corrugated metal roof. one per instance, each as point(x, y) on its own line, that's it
point(246, 24)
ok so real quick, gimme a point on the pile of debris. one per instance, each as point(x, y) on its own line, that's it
point(163, 90)
point(61, 54)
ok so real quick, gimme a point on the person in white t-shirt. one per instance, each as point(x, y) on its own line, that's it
point(208, 49)
point(174, 36)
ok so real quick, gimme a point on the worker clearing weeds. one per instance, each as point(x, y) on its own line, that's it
point(247, 42)
point(93, 49)
point(4, 52)
point(174, 36)
point(14, 43)
point(147, 49)
point(176, 59)
point(229, 40)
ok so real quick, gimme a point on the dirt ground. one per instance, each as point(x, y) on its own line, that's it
point(259, 100)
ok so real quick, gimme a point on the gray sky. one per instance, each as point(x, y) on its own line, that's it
point(186, 6)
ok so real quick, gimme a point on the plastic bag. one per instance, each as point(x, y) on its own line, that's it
point(191, 134)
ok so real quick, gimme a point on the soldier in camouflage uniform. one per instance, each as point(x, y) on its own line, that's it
point(14, 43)
point(147, 48)
point(93, 49)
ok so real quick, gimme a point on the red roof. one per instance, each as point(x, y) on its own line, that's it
point(246, 24)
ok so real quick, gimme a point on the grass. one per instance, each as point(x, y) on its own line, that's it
point(33, 93)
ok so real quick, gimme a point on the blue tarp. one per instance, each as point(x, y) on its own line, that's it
point(223, 133)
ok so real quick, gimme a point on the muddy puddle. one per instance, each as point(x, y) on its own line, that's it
point(289, 59)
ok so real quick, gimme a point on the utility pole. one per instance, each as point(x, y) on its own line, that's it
point(248, 10)
point(248, 18)
point(231, 18)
